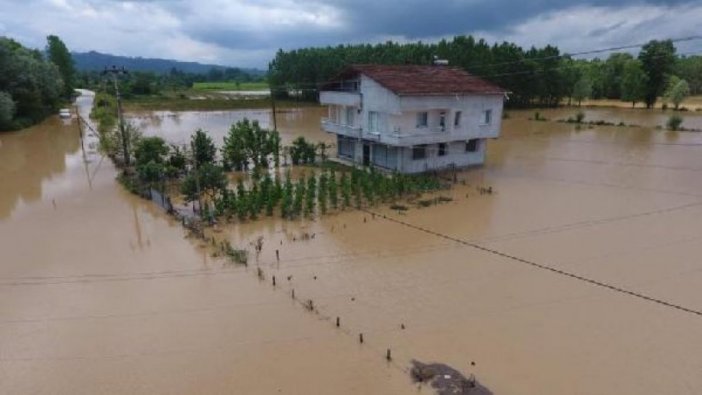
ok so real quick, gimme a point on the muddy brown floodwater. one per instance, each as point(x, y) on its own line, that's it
point(101, 293)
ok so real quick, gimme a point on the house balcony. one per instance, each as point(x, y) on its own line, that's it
point(340, 98)
point(417, 137)
point(330, 126)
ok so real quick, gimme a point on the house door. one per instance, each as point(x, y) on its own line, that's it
point(366, 154)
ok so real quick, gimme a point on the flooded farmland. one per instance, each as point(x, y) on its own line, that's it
point(102, 293)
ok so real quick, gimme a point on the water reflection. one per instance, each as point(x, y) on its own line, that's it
point(32, 157)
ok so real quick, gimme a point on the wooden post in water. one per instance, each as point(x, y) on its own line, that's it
point(360, 338)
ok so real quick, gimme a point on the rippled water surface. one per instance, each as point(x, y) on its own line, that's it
point(102, 293)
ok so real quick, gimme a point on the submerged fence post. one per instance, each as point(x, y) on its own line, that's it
point(388, 356)
point(360, 338)
point(338, 322)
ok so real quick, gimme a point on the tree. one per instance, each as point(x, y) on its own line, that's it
point(204, 150)
point(677, 91)
point(333, 190)
point(582, 89)
point(150, 149)
point(61, 57)
point(7, 110)
point(248, 142)
point(176, 161)
point(613, 73)
point(151, 172)
point(210, 177)
point(302, 152)
point(150, 155)
point(657, 59)
point(634, 82)
point(33, 84)
point(689, 68)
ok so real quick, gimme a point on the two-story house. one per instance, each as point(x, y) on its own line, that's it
point(411, 118)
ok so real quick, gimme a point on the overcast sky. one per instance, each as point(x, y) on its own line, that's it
point(248, 32)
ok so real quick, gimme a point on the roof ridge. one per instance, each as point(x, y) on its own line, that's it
point(423, 80)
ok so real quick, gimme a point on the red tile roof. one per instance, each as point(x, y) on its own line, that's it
point(414, 80)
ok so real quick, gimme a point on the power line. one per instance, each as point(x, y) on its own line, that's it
point(315, 85)
point(590, 52)
point(543, 266)
point(296, 86)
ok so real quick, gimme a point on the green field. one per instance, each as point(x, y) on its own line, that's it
point(230, 86)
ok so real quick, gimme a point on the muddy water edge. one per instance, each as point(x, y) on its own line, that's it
point(100, 292)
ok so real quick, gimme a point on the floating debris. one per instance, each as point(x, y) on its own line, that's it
point(446, 380)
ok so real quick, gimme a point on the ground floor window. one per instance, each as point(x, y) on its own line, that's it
point(472, 145)
point(345, 147)
point(385, 156)
point(419, 152)
point(442, 149)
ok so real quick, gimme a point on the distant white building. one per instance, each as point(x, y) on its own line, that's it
point(411, 118)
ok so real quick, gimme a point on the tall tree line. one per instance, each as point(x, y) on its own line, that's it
point(535, 76)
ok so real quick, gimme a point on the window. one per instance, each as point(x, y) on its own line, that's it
point(442, 121)
point(422, 119)
point(419, 152)
point(442, 149)
point(385, 156)
point(372, 121)
point(346, 147)
point(487, 117)
point(349, 115)
point(472, 145)
point(457, 119)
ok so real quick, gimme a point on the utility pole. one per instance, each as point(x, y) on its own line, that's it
point(275, 121)
point(114, 71)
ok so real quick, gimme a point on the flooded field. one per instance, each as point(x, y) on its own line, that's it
point(102, 293)
point(177, 127)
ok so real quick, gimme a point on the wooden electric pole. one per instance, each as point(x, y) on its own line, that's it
point(114, 71)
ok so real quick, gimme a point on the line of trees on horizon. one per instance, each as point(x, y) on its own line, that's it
point(535, 76)
point(152, 83)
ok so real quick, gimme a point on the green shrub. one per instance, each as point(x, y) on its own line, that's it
point(674, 122)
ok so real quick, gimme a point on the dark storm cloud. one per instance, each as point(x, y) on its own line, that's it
point(248, 32)
point(371, 20)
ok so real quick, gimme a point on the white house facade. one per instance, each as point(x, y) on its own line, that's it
point(411, 119)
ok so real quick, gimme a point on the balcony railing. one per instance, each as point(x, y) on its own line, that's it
point(333, 127)
point(398, 137)
point(340, 98)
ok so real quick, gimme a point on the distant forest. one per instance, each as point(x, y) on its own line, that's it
point(535, 76)
point(96, 61)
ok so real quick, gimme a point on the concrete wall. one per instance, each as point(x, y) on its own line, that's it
point(455, 156)
point(471, 108)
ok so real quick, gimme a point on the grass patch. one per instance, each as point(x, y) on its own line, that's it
point(163, 103)
point(231, 86)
